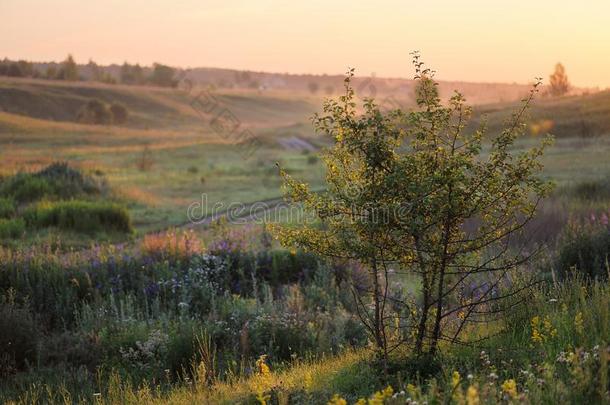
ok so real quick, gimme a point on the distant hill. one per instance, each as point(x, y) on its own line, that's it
point(389, 89)
point(283, 100)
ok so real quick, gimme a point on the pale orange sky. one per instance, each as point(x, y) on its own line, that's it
point(491, 40)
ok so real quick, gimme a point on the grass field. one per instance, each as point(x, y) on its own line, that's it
point(187, 157)
point(227, 315)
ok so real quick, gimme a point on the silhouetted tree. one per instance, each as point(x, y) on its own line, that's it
point(558, 81)
point(163, 76)
point(68, 70)
point(132, 74)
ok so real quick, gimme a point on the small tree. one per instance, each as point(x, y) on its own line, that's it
point(95, 112)
point(403, 192)
point(163, 76)
point(558, 81)
point(68, 70)
point(131, 74)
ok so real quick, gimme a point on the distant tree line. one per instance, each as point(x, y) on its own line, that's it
point(159, 75)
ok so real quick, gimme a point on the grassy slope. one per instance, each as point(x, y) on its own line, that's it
point(190, 158)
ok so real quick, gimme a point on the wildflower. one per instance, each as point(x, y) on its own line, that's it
point(509, 387)
point(455, 379)
point(472, 396)
point(379, 397)
point(337, 400)
point(261, 365)
point(537, 337)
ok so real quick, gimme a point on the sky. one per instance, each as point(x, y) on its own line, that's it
point(468, 40)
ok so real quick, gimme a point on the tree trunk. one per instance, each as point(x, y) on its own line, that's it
point(378, 320)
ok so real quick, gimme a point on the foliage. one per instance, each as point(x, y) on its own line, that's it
point(68, 70)
point(11, 228)
point(19, 68)
point(7, 207)
point(95, 112)
point(78, 215)
point(163, 76)
point(570, 366)
point(584, 249)
point(25, 187)
point(18, 335)
point(401, 189)
point(132, 74)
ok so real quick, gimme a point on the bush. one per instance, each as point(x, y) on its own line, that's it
point(57, 180)
point(585, 250)
point(11, 228)
point(94, 112)
point(82, 216)
point(119, 113)
point(68, 182)
point(7, 207)
point(24, 187)
point(593, 190)
point(18, 336)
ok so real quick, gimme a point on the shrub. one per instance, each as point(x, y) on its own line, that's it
point(11, 228)
point(585, 250)
point(192, 169)
point(119, 113)
point(82, 216)
point(94, 112)
point(68, 182)
point(24, 187)
point(18, 335)
point(593, 190)
point(7, 207)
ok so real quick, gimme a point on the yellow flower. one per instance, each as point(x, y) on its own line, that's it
point(510, 388)
point(472, 396)
point(379, 397)
point(337, 400)
point(548, 326)
point(455, 379)
point(537, 337)
point(261, 366)
point(307, 381)
point(387, 392)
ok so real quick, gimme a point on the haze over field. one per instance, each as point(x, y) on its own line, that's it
point(476, 41)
